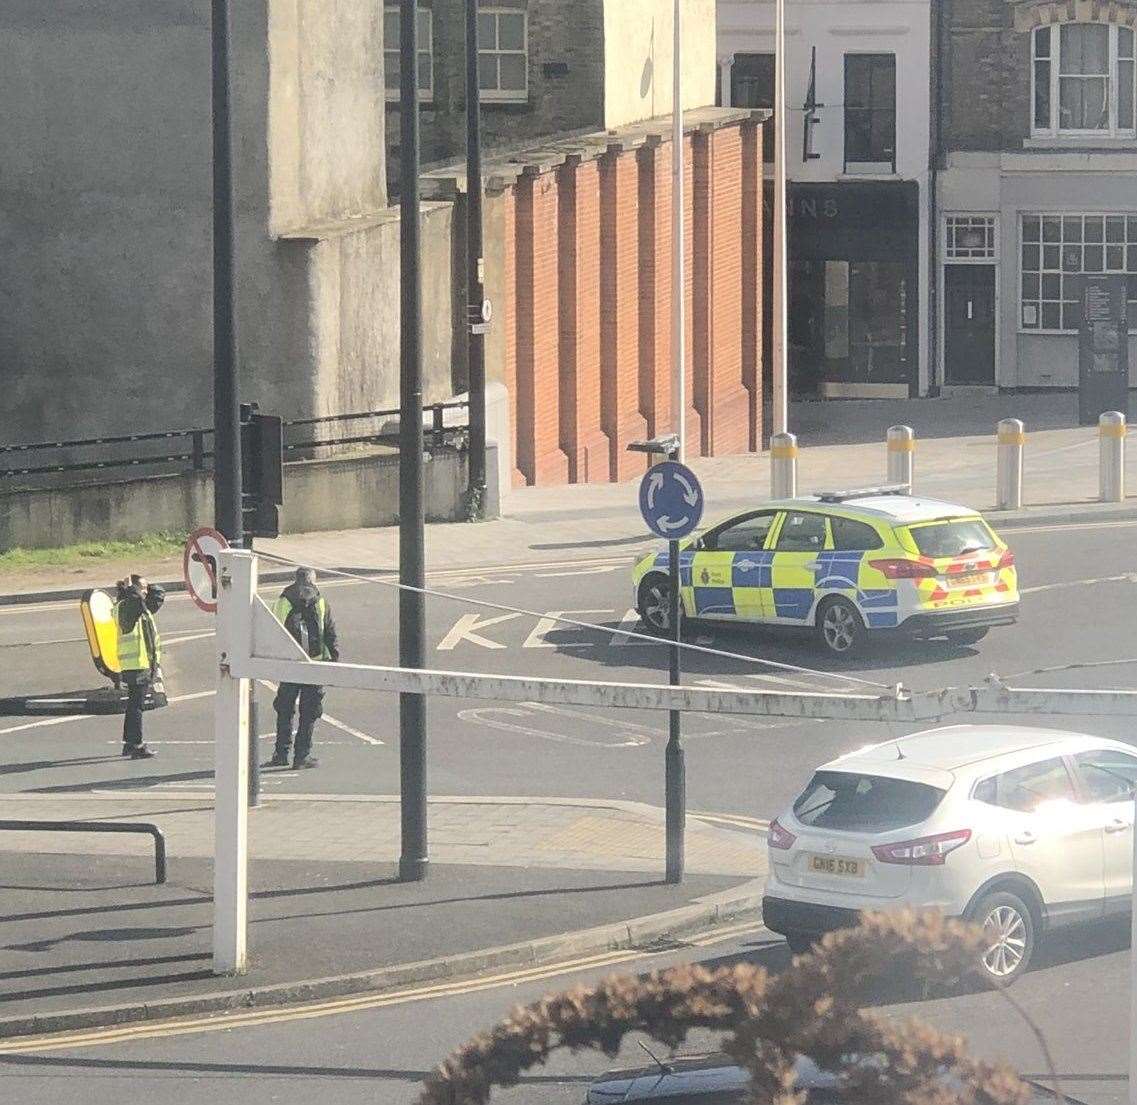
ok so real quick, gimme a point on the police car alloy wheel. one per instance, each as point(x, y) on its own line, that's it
point(839, 625)
point(654, 603)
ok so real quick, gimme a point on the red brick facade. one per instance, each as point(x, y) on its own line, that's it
point(589, 243)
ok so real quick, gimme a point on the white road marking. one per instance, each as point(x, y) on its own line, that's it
point(583, 570)
point(44, 722)
point(547, 624)
point(466, 627)
point(630, 620)
point(491, 716)
point(334, 722)
point(1127, 577)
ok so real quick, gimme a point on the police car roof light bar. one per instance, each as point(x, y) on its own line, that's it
point(863, 493)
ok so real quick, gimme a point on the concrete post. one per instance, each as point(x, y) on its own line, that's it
point(235, 595)
point(1111, 453)
point(783, 466)
point(901, 443)
point(1009, 471)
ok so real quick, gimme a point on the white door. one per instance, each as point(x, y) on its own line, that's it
point(1108, 777)
point(1055, 840)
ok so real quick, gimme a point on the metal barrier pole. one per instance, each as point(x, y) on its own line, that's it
point(783, 466)
point(1009, 470)
point(1111, 452)
point(901, 444)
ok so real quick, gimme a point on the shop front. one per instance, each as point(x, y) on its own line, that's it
point(853, 289)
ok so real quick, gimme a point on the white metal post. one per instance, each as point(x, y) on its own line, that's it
point(1009, 468)
point(678, 241)
point(1111, 456)
point(901, 445)
point(235, 594)
point(783, 466)
point(780, 366)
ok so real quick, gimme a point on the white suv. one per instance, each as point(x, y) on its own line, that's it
point(1020, 830)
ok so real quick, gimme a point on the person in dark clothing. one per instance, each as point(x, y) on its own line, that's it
point(305, 613)
point(139, 653)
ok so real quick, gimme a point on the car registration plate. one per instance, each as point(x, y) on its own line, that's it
point(838, 865)
point(968, 579)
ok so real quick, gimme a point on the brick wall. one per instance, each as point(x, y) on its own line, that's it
point(986, 80)
point(592, 310)
point(566, 81)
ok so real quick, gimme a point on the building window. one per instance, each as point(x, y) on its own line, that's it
point(1056, 249)
point(752, 85)
point(391, 67)
point(870, 112)
point(503, 54)
point(1083, 80)
point(970, 237)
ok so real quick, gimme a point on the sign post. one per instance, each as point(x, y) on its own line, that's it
point(671, 502)
point(1103, 348)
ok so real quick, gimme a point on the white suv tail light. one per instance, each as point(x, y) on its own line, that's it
point(779, 837)
point(925, 851)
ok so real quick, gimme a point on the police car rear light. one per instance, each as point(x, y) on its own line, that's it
point(1007, 560)
point(902, 569)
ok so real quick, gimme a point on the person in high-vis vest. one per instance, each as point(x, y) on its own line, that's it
point(305, 613)
point(139, 654)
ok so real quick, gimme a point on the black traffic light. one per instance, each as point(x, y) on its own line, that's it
point(262, 471)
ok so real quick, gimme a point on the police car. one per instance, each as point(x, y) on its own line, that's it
point(845, 564)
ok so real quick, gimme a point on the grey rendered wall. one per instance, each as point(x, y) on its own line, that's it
point(105, 216)
point(344, 493)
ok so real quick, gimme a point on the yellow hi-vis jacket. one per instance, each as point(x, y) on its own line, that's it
point(282, 610)
point(133, 653)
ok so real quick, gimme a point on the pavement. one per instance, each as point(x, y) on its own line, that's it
point(842, 445)
point(88, 938)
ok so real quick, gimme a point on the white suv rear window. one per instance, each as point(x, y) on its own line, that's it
point(865, 803)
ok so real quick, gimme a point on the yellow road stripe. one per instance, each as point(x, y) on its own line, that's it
point(223, 1021)
point(220, 1022)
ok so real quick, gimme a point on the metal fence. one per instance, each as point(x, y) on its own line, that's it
point(191, 449)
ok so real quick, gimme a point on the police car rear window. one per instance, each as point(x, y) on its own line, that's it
point(865, 803)
point(953, 537)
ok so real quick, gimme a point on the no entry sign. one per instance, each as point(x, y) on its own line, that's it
point(200, 567)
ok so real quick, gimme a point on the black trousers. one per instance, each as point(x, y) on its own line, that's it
point(311, 709)
point(137, 684)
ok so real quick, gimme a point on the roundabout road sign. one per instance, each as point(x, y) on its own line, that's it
point(199, 567)
point(671, 500)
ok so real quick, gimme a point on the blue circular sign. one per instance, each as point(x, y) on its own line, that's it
point(671, 500)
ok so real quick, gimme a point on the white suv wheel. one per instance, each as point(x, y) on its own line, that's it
point(1009, 928)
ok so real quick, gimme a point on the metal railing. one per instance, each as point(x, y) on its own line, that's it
point(191, 445)
point(100, 827)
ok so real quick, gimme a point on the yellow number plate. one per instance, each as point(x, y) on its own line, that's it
point(838, 865)
point(969, 579)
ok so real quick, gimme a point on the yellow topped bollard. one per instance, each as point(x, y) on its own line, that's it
point(783, 466)
point(901, 445)
point(1011, 437)
point(1112, 430)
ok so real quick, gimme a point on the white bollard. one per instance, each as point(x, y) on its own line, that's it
point(1009, 474)
point(783, 466)
point(1111, 453)
point(901, 442)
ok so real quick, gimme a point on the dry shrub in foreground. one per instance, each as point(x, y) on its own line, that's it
point(815, 1009)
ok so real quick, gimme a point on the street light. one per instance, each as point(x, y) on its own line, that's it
point(780, 366)
point(678, 261)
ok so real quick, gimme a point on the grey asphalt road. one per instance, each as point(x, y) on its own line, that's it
point(1077, 609)
point(1079, 593)
point(379, 1055)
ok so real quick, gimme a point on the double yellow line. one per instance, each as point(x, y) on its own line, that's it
point(221, 1022)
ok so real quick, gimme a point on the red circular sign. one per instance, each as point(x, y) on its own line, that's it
point(200, 567)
